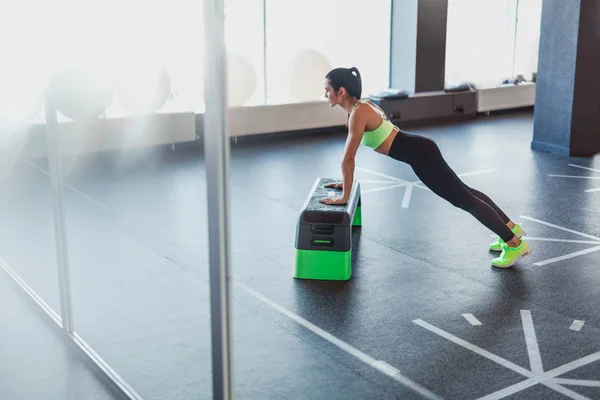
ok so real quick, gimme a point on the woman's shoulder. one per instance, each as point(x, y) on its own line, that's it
point(367, 107)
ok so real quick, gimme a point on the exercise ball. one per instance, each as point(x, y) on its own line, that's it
point(143, 90)
point(241, 80)
point(308, 71)
point(80, 93)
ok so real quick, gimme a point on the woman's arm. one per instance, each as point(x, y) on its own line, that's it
point(356, 128)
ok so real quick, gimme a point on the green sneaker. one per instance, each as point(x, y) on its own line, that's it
point(511, 255)
point(517, 230)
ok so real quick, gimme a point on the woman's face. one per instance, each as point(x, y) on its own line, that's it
point(332, 97)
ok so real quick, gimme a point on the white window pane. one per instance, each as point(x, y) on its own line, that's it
point(306, 39)
point(244, 37)
point(528, 37)
point(480, 41)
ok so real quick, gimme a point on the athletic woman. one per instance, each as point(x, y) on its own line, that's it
point(368, 124)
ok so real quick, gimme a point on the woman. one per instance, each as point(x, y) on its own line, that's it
point(369, 125)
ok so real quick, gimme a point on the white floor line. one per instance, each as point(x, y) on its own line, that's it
point(374, 181)
point(575, 176)
point(589, 169)
point(561, 228)
point(379, 189)
point(577, 325)
point(565, 391)
point(533, 378)
point(500, 394)
point(370, 171)
point(474, 349)
point(485, 171)
point(535, 359)
point(85, 196)
point(576, 382)
point(593, 190)
point(379, 365)
point(100, 363)
point(563, 369)
point(536, 239)
point(407, 196)
point(40, 302)
point(471, 318)
point(546, 376)
point(507, 391)
point(567, 256)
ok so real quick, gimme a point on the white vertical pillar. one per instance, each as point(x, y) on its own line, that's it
point(216, 149)
point(54, 164)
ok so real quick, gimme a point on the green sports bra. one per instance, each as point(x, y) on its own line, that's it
point(377, 136)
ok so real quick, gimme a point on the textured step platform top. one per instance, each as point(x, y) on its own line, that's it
point(313, 211)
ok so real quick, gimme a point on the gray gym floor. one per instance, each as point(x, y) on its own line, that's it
point(424, 304)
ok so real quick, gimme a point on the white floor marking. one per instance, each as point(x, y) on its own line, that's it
point(379, 189)
point(565, 391)
point(43, 305)
point(383, 366)
point(596, 241)
point(575, 176)
point(375, 181)
point(581, 177)
point(85, 196)
point(576, 382)
point(536, 239)
point(589, 169)
point(535, 359)
point(485, 171)
point(379, 365)
point(537, 374)
point(471, 318)
point(407, 195)
point(502, 393)
point(370, 171)
point(577, 325)
point(409, 185)
point(474, 349)
point(567, 256)
point(561, 228)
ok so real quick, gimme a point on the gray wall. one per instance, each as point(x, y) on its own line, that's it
point(567, 107)
point(418, 45)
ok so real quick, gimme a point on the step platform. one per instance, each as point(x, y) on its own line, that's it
point(324, 234)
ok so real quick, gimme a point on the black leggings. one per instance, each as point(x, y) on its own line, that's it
point(426, 160)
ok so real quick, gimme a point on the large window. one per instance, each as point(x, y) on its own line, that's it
point(278, 50)
point(132, 57)
point(307, 38)
point(489, 41)
point(527, 42)
point(480, 41)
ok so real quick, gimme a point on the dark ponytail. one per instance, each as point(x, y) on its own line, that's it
point(348, 78)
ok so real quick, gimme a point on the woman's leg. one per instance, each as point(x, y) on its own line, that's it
point(516, 229)
point(424, 156)
point(486, 199)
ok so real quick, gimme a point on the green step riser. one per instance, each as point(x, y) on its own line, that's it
point(322, 265)
point(357, 217)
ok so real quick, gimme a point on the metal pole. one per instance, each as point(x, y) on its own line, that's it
point(515, 7)
point(64, 281)
point(264, 4)
point(216, 150)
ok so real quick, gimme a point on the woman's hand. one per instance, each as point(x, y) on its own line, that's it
point(335, 185)
point(334, 200)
